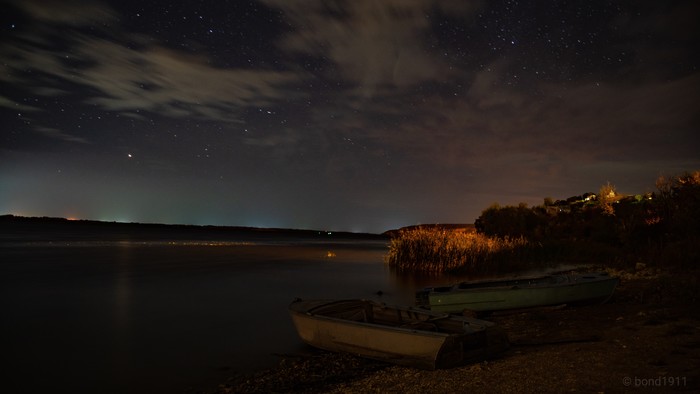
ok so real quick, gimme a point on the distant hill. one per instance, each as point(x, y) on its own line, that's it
point(20, 228)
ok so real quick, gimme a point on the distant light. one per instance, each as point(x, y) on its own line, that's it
point(129, 154)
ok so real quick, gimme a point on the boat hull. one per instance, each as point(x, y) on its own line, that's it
point(519, 294)
point(406, 341)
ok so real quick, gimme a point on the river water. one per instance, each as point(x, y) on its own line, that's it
point(157, 316)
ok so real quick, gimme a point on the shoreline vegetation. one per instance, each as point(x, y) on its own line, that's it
point(435, 250)
point(658, 229)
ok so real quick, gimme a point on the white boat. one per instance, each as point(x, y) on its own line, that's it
point(407, 336)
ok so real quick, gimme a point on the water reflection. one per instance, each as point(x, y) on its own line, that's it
point(161, 317)
point(122, 287)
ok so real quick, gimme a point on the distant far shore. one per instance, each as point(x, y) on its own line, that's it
point(21, 228)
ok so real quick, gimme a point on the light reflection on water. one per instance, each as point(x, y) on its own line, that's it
point(160, 316)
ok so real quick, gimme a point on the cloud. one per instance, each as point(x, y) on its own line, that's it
point(59, 135)
point(284, 140)
point(500, 138)
point(175, 84)
point(128, 72)
point(373, 44)
point(68, 12)
point(15, 106)
point(52, 56)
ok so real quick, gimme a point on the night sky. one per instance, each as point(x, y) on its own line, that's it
point(356, 115)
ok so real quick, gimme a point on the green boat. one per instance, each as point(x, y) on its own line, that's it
point(518, 293)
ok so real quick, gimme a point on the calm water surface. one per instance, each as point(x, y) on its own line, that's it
point(150, 317)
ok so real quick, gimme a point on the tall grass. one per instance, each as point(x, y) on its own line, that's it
point(439, 251)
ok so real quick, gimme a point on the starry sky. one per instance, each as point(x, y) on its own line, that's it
point(357, 115)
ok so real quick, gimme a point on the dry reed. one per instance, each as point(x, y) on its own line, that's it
point(438, 251)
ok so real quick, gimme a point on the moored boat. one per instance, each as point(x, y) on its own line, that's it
point(518, 293)
point(407, 336)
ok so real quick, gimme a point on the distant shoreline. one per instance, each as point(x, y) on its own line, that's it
point(32, 228)
point(13, 226)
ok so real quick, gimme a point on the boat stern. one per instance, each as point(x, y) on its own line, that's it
point(485, 344)
point(423, 298)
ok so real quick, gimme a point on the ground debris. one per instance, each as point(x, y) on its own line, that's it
point(305, 374)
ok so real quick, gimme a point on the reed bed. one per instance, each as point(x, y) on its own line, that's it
point(440, 251)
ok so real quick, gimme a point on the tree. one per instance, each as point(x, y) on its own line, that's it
point(509, 221)
point(678, 203)
point(607, 196)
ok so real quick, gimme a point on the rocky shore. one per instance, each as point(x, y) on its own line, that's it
point(647, 338)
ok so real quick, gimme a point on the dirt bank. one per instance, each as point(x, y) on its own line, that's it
point(646, 338)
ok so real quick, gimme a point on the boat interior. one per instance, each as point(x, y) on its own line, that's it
point(543, 280)
point(377, 313)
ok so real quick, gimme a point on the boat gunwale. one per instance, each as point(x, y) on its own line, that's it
point(469, 321)
point(387, 327)
point(484, 285)
point(599, 287)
